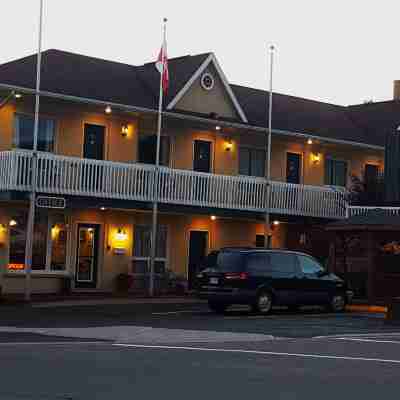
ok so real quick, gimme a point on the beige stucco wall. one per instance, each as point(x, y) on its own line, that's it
point(217, 100)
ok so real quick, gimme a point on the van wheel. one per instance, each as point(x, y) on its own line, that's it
point(337, 303)
point(218, 308)
point(263, 303)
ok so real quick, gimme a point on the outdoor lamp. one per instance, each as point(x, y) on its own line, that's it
point(124, 130)
point(228, 144)
point(315, 158)
point(121, 235)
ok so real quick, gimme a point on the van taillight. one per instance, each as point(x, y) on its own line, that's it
point(236, 275)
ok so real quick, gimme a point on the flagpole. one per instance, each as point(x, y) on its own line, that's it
point(268, 158)
point(153, 243)
point(32, 203)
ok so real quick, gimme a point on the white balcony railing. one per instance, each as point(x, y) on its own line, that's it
point(61, 175)
point(364, 210)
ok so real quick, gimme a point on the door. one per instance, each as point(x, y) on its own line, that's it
point(87, 256)
point(202, 156)
point(93, 146)
point(198, 244)
point(315, 289)
point(282, 268)
point(293, 168)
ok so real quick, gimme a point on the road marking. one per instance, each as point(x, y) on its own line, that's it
point(47, 343)
point(180, 312)
point(357, 335)
point(256, 352)
point(367, 340)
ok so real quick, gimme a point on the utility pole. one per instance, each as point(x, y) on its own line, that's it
point(268, 153)
point(32, 202)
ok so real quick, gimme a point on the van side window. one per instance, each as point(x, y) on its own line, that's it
point(309, 266)
point(257, 263)
point(282, 264)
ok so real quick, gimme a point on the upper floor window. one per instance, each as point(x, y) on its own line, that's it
point(335, 172)
point(23, 133)
point(251, 162)
point(148, 148)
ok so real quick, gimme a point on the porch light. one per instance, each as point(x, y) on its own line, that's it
point(13, 222)
point(228, 145)
point(217, 128)
point(276, 223)
point(315, 158)
point(3, 228)
point(103, 208)
point(121, 235)
point(309, 141)
point(213, 217)
point(124, 130)
point(108, 110)
point(55, 230)
point(17, 95)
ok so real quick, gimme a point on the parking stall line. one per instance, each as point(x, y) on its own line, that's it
point(256, 352)
point(367, 340)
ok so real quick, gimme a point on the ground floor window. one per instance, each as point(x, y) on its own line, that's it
point(49, 242)
point(141, 249)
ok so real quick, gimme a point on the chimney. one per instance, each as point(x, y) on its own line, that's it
point(396, 90)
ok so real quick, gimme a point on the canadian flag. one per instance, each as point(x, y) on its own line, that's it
point(162, 66)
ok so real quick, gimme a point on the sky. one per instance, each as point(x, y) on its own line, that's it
point(341, 52)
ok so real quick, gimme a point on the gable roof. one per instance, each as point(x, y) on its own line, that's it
point(73, 74)
point(211, 59)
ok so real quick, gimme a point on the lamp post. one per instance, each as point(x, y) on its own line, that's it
point(268, 153)
point(32, 202)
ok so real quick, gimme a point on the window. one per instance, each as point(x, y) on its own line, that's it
point(230, 262)
point(251, 162)
point(257, 263)
point(335, 172)
point(148, 148)
point(49, 242)
point(309, 266)
point(141, 250)
point(23, 133)
point(260, 241)
point(282, 264)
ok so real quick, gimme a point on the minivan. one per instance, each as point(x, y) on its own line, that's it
point(263, 278)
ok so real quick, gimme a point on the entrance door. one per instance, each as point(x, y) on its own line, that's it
point(87, 256)
point(202, 156)
point(197, 252)
point(293, 168)
point(93, 146)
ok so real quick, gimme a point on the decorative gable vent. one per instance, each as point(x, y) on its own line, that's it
point(207, 81)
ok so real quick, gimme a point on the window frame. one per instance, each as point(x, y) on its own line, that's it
point(307, 257)
point(347, 166)
point(165, 259)
point(252, 149)
point(43, 117)
point(170, 148)
point(49, 246)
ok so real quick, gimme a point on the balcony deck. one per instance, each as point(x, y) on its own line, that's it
point(60, 175)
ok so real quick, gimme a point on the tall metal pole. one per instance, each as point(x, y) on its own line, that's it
point(32, 204)
point(153, 248)
point(268, 151)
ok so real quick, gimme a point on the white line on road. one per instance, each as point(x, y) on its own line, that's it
point(357, 335)
point(256, 352)
point(49, 343)
point(178, 312)
point(367, 340)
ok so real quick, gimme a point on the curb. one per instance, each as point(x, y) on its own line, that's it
point(366, 308)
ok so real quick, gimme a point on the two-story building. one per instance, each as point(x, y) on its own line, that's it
point(97, 150)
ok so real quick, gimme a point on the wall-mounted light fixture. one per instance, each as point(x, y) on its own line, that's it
point(55, 231)
point(108, 110)
point(17, 95)
point(121, 235)
point(228, 144)
point(13, 222)
point(124, 130)
point(3, 228)
point(315, 158)
point(217, 128)
point(309, 141)
point(213, 217)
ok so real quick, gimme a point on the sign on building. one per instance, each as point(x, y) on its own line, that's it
point(50, 202)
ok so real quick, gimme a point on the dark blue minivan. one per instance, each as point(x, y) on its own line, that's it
point(262, 278)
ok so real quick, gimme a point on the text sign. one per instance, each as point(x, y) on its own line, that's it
point(50, 202)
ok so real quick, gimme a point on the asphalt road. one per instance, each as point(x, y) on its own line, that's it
point(184, 352)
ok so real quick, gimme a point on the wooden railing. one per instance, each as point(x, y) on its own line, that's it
point(61, 175)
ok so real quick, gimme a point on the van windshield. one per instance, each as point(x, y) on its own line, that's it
point(225, 261)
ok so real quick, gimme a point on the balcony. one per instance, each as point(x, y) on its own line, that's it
point(59, 175)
